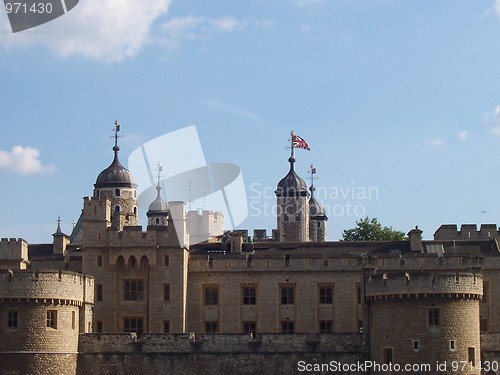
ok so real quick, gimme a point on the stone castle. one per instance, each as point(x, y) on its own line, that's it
point(111, 298)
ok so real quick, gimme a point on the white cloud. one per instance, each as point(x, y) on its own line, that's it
point(436, 142)
point(462, 135)
point(24, 160)
point(189, 28)
point(492, 119)
point(104, 30)
point(230, 109)
point(496, 6)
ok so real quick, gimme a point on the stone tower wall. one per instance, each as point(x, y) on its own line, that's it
point(296, 228)
point(27, 342)
point(400, 304)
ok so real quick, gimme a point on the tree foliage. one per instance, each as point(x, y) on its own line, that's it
point(371, 230)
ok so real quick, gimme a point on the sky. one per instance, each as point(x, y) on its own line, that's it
point(398, 100)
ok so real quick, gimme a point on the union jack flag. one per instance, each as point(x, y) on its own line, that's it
point(298, 142)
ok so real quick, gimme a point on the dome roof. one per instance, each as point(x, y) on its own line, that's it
point(116, 175)
point(291, 184)
point(158, 205)
point(315, 209)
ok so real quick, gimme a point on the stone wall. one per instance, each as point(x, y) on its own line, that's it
point(216, 354)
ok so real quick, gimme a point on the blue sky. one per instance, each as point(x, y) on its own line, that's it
point(398, 100)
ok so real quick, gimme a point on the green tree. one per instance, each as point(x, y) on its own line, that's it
point(371, 230)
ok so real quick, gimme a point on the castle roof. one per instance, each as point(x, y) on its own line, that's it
point(158, 205)
point(291, 185)
point(315, 209)
point(116, 175)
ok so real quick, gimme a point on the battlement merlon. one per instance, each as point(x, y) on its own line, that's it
point(443, 284)
point(14, 249)
point(466, 232)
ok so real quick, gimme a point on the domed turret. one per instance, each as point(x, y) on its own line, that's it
point(158, 209)
point(291, 185)
point(317, 214)
point(118, 185)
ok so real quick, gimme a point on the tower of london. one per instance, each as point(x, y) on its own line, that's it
point(184, 296)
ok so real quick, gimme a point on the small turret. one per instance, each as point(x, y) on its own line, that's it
point(158, 210)
point(317, 214)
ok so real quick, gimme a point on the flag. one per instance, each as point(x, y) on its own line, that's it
point(298, 142)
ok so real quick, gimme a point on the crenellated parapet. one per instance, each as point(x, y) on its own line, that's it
point(13, 253)
point(448, 232)
point(423, 284)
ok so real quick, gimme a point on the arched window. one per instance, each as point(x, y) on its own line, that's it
point(157, 221)
point(297, 216)
point(120, 263)
point(285, 216)
point(132, 262)
point(144, 262)
point(117, 192)
point(135, 211)
point(117, 208)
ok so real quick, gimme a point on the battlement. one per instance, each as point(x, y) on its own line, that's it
point(466, 232)
point(13, 249)
point(452, 284)
point(76, 288)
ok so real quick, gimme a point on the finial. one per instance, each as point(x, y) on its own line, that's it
point(312, 171)
point(58, 231)
point(116, 148)
point(159, 168)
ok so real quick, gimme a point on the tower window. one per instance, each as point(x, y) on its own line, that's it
point(135, 211)
point(166, 326)
point(133, 290)
point(12, 319)
point(211, 327)
point(471, 351)
point(326, 326)
point(326, 295)
point(52, 319)
point(416, 345)
point(453, 345)
point(157, 221)
point(249, 296)
point(288, 327)
point(99, 292)
point(166, 293)
point(249, 328)
point(133, 325)
point(433, 317)
point(297, 216)
point(286, 217)
point(211, 296)
point(117, 192)
point(117, 208)
point(287, 295)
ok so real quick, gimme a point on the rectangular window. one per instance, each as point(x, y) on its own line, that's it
point(99, 292)
point(133, 325)
point(73, 320)
point(483, 325)
point(99, 261)
point(98, 325)
point(134, 290)
point(166, 293)
point(453, 345)
point(358, 292)
point(166, 261)
point(325, 295)
point(249, 328)
point(326, 326)
point(287, 295)
point(12, 319)
point(433, 317)
point(211, 296)
point(472, 356)
point(52, 319)
point(211, 327)
point(486, 289)
point(416, 345)
point(249, 295)
point(387, 355)
point(166, 326)
point(287, 327)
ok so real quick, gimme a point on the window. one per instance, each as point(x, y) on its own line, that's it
point(483, 324)
point(211, 327)
point(287, 260)
point(166, 261)
point(99, 326)
point(211, 296)
point(297, 216)
point(249, 296)
point(166, 293)
point(249, 328)
point(433, 317)
point(471, 352)
point(326, 327)
point(73, 320)
point(99, 261)
point(134, 290)
point(285, 217)
point(117, 208)
point(358, 292)
point(52, 319)
point(117, 192)
point(133, 325)
point(157, 221)
point(166, 326)
point(416, 345)
point(486, 289)
point(387, 355)
point(325, 295)
point(12, 319)
point(287, 295)
point(99, 292)
point(287, 327)
point(453, 345)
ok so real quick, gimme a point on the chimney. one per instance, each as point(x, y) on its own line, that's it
point(415, 237)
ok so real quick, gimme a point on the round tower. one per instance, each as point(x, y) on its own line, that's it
point(424, 318)
point(118, 185)
point(42, 316)
point(158, 210)
point(292, 207)
point(317, 215)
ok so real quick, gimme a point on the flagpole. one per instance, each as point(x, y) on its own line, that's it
point(292, 153)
